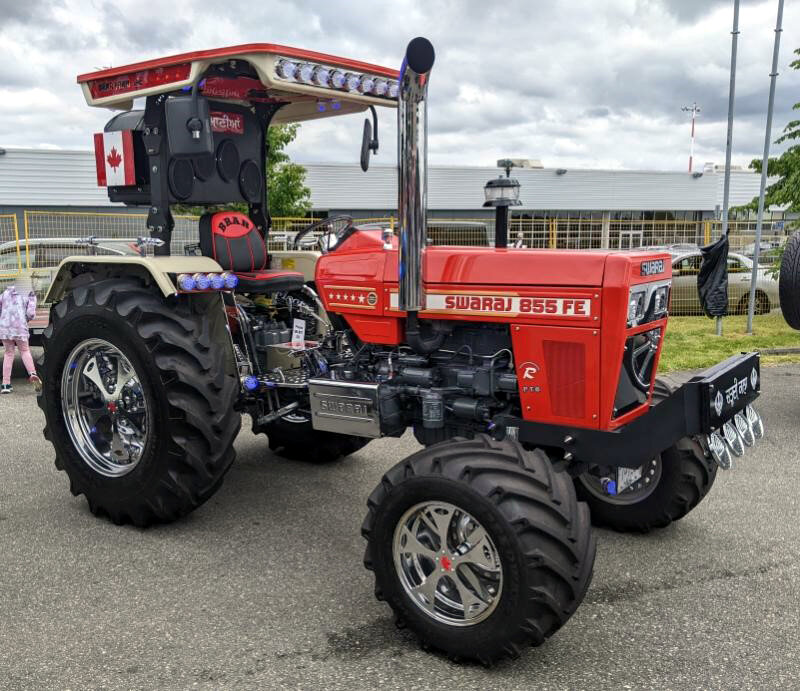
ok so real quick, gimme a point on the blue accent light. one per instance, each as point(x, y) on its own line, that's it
point(336, 105)
point(611, 487)
point(202, 282)
point(186, 282)
point(231, 280)
point(321, 107)
point(217, 282)
point(250, 383)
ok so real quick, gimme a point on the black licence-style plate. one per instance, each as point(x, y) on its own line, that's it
point(728, 387)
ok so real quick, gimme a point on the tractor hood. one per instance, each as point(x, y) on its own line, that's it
point(468, 265)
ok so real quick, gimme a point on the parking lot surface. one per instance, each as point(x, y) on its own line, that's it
point(263, 587)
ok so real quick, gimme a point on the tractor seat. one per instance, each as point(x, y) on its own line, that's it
point(233, 241)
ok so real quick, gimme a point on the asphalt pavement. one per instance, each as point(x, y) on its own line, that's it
point(264, 587)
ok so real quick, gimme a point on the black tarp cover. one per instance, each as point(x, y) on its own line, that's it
point(712, 281)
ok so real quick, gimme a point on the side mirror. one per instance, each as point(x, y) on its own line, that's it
point(368, 144)
point(189, 132)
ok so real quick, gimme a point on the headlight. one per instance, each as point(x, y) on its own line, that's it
point(636, 307)
point(660, 300)
point(647, 302)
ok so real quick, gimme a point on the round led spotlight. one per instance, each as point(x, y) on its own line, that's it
point(201, 281)
point(756, 423)
point(719, 451)
point(250, 383)
point(306, 73)
point(186, 282)
point(287, 69)
point(393, 90)
point(733, 438)
point(216, 281)
point(744, 428)
point(231, 280)
point(322, 76)
point(353, 82)
point(338, 79)
point(380, 88)
point(367, 85)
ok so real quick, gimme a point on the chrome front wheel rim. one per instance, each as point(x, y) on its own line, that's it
point(104, 408)
point(447, 563)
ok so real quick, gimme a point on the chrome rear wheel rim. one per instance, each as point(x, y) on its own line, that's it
point(447, 563)
point(104, 408)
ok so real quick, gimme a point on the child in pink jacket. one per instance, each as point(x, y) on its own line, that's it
point(16, 311)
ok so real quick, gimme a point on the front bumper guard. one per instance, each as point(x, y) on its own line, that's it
point(705, 407)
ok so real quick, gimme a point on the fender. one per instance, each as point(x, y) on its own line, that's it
point(161, 269)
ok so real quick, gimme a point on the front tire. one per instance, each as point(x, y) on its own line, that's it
point(138, 397)
point(479, 547)
point(669, 487)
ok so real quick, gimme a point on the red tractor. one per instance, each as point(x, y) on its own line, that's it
point(528, 376)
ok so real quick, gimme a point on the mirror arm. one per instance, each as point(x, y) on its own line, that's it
point(373, 145)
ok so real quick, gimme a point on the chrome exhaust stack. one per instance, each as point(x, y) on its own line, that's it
point(412, 170)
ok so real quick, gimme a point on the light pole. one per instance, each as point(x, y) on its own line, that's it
point(502, 192)
point(694, 110)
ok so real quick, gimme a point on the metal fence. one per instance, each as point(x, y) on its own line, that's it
point(31, 253)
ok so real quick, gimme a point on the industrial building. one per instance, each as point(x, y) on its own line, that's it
point(560, 207)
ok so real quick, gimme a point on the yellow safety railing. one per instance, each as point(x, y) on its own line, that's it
point(11, 248)
point(49, 236)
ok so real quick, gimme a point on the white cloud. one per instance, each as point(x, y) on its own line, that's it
point(573, 83)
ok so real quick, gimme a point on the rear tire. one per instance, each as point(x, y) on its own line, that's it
point(789, 282)
point(299, 441)
point(681, 476)
point(537, 545)
point(185, 377)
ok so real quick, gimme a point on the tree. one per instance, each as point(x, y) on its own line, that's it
point(786, 167)
point(286, 192)
point(785, 191)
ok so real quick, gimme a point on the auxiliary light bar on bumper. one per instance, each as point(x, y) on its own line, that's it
point(714, 404)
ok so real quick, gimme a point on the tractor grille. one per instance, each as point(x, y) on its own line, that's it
point(566, 375)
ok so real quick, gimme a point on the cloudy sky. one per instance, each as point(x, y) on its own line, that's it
point(589, 83)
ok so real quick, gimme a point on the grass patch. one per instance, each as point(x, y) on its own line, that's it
point(692, 343)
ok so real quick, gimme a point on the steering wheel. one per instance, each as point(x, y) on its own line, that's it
point(336, 229)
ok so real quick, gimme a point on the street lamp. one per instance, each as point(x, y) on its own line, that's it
point(501, 193)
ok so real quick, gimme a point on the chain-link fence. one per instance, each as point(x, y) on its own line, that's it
point(33, 252)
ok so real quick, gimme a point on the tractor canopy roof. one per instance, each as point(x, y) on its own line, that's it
point(311, 85)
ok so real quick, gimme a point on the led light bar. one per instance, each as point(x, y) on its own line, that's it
point(199, 282)
point(336, 79)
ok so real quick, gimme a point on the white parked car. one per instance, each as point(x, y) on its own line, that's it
point(685, 300)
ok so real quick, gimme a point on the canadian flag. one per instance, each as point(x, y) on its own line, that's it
point(113, 152)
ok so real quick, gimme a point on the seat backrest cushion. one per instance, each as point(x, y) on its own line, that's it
point(232, 239)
